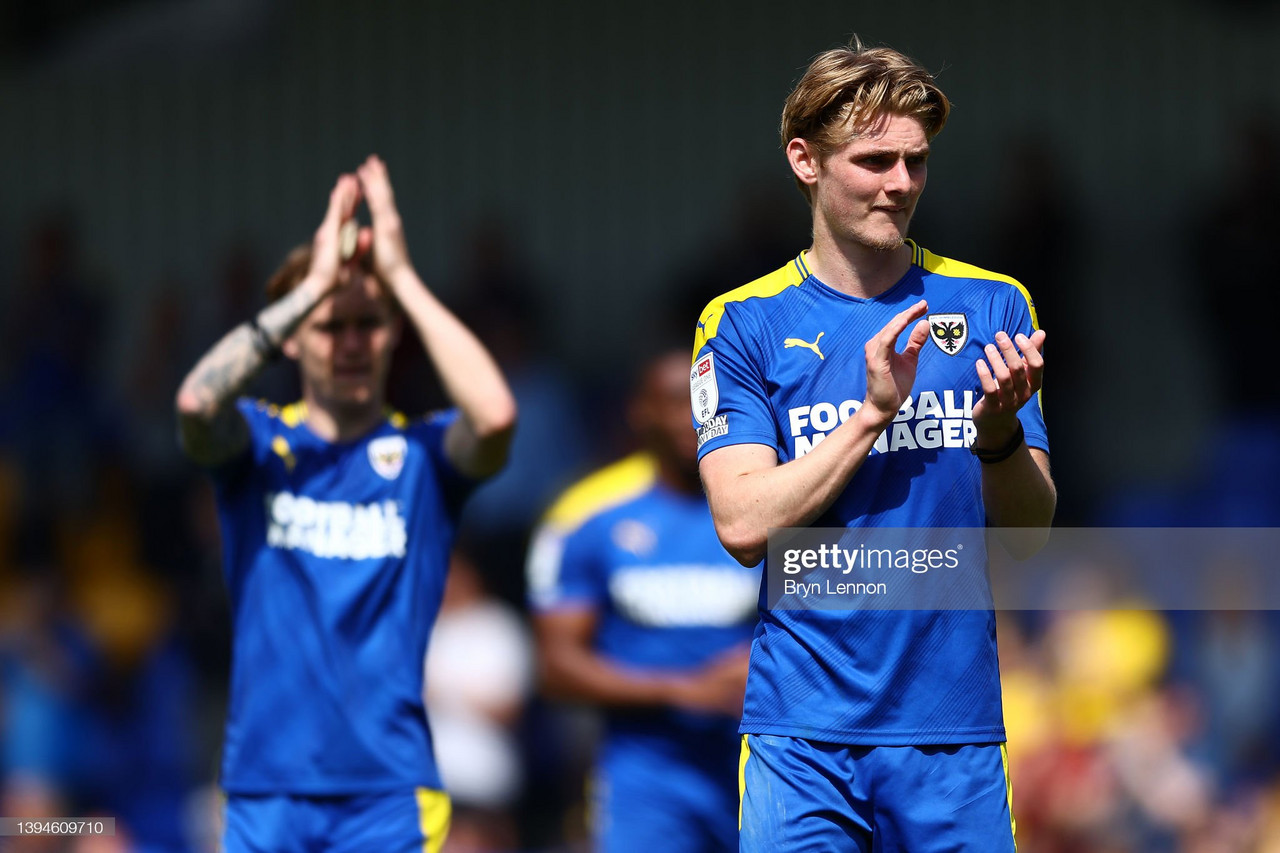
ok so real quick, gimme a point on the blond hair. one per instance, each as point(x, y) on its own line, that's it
point(847, 88)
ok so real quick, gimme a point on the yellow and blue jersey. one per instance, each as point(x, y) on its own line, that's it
point(646, 559)
point(335, 555)
point(780, 362)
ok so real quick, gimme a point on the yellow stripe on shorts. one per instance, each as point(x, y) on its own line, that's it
point(742, 776)
point(434, 813)
point(1008, 787)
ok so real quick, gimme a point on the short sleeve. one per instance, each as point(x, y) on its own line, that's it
point(232, 475)
point(455, 485)
point(564, 570)
point(1020, 318)
point(727, 392)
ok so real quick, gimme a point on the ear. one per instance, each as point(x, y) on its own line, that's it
point(805, 160)
point(290, 347)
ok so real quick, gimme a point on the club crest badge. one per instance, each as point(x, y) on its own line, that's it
point(634, 537)
point(949, 331)
point(703, 391)
point(386, 455)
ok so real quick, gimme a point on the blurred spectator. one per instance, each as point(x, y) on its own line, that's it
point(96, 688)
point(479, 673)
point(52, 343)
point(1227, 235)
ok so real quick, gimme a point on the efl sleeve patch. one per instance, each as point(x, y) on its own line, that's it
point(704, 393)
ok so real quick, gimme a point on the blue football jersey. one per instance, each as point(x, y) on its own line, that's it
point(335, 555)
point(669, 597)
point(780, 362)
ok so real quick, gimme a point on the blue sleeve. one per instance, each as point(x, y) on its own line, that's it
point(235, 472)
point(727, 392)
point(566, 569)
point(1017, 318)
point(455, 485)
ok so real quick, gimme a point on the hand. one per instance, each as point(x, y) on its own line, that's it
point(326, 252)
point(890, 374)
point(1013, 378)
point(717, 687)
point(390, 254)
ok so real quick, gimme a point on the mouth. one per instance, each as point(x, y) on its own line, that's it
point(352, 372)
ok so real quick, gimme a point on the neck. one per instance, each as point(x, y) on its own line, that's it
point(341, 423)
point(853, 268)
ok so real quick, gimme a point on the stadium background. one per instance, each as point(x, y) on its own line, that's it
point(577, 179)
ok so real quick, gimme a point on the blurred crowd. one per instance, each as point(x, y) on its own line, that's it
point(1129, 730)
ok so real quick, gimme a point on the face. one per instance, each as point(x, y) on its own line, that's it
point(866, 191)
point(660, 411)
point(344, 347)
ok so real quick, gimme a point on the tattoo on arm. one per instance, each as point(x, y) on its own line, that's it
point(224, 370)
point(281, 317)
point(211, 430)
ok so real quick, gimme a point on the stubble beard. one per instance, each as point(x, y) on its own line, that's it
point(889, 244)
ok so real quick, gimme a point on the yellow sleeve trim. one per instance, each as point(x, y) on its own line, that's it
point(602, 490)
point(293, 414)
point(435, 813)
point(939, 265)
point(772, 284)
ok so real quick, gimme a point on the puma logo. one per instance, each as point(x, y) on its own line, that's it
point(796, 342)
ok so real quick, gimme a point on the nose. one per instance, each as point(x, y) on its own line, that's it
point(898, 179)
point(351, 338)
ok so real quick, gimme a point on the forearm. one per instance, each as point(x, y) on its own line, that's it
point(209, 428)
point(470, 376)
point(746, 504)
point(581, 675)
point(1018, 494)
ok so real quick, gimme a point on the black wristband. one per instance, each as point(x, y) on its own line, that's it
point(990, 457)
point(262, 344)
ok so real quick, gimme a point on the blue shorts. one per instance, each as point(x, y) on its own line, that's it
point(802, 795)
point(653, 806)
point(414, 821)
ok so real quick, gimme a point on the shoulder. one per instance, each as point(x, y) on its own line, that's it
point(997, 283)
point(266, 418)
point(602, 491)
point(761, 290)
point(428, 428)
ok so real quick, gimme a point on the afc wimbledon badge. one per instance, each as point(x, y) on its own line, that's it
point(386, 455)
point(949, 332)
point(703, 391)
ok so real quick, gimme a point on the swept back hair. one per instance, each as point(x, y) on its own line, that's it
point(846, 88)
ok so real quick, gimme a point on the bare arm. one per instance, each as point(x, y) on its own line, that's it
point(570, 669)
point(1018, 493)
point(477, 441)
point(210, 429)
point(750, 492)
